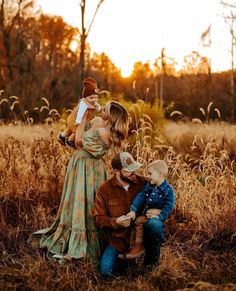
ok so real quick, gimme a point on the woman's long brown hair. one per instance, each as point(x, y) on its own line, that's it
point(118, 124)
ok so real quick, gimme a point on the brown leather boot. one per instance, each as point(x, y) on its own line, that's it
point(136, 251)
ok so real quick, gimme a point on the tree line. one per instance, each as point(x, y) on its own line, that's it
point(40, 56)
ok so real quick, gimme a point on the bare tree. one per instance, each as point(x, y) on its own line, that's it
point(84, 32)
point(230, 20)
point(9, 14)
point(206, 43)
point(164, 66)
point(162, 76)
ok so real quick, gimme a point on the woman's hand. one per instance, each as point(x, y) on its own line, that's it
point(152, 212)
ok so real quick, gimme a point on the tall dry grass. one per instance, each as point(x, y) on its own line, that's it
point(200, 234)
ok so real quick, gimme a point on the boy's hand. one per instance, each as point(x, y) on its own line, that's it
point(152, 212)
point(123, 221)
point(131, 215)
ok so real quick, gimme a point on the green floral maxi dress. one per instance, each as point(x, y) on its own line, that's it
point(73, 233)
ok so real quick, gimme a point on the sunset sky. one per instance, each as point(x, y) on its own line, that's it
point(135, 30)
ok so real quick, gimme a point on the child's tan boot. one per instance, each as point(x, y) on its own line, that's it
point(137, 250)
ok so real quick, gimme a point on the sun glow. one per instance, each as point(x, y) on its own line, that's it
point(141, 30)
point(126, 70)
point(74, 45)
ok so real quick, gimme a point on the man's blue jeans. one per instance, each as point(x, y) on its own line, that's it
point(153, 238)
point(110, 264)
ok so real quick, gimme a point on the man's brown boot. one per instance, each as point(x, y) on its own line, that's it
point(136, 251)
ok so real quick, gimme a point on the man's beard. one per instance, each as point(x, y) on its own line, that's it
point(127, 179)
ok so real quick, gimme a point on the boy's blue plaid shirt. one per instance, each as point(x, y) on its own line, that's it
point(153, 196)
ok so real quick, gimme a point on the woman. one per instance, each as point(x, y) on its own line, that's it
point(73, 233)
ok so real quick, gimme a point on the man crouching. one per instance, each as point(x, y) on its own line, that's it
point(112, 203)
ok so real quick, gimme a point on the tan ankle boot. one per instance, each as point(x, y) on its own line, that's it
point(137, 250)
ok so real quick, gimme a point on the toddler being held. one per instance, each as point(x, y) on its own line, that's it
point(88, 104)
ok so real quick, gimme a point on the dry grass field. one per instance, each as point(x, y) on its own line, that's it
point(200, 248)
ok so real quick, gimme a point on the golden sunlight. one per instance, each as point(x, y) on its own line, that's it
point(74, 45)
point(126, 70)
point(140, 36)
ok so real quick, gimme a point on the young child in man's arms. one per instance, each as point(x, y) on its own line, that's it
point(157, 193)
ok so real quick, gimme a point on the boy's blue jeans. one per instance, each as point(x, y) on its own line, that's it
point(153, 238)
point(111, 265)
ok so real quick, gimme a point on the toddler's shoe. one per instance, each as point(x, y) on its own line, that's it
point(71, 143)
point(62, 139)
point(58, 256)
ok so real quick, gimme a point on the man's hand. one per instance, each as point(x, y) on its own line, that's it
point(131, 215)
point(152, 212)
point(123, 221)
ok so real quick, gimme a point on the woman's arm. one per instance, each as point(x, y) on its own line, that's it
point(80, 130)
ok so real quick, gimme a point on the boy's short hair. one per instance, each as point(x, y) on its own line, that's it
point(159, 166)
